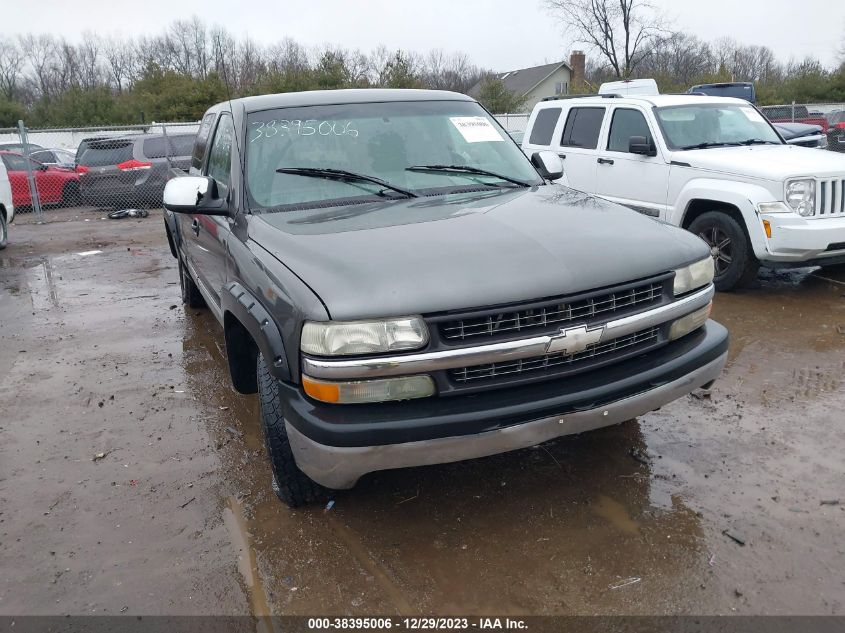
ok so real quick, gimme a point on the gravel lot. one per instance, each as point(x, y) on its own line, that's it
point(133, 478)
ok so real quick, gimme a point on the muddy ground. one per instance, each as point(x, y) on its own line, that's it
point(133, 478)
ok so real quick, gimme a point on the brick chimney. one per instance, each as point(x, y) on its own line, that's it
point(577, 62)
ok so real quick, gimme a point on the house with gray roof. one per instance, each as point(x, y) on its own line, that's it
point(540, 81)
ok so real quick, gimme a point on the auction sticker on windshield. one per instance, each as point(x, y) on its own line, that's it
point(476, 129)
point(752, 115)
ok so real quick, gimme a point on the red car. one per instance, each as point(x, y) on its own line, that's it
point(56, 185)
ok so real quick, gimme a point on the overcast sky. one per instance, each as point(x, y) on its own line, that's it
point(497, 34)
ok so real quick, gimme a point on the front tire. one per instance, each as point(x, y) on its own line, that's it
point(291, 485)
point(4, 234)
point(735, 263)
point(191, 295)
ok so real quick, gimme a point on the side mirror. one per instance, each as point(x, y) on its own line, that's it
point(195, 195)
point(642, 146)
point(548, 164)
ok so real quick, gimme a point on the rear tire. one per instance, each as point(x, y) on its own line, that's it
point(735, 263)
point(4, 234)
point(191, 295)
point(290, 484)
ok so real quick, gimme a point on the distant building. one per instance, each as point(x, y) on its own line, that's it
point(541, 81)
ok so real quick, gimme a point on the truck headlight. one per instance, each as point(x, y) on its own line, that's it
point(693, 276)
point(339, 338)
point(801, 196)
point(361, 391)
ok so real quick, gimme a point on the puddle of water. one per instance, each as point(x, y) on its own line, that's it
point(614, 512)
point(233, 518)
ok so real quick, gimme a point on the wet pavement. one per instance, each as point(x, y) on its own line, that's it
point(133, 478)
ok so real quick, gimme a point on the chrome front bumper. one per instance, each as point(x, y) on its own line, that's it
point(407, 364)
point(340, 467)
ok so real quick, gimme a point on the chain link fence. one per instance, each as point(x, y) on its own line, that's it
point(110, 168)
point(829, 116)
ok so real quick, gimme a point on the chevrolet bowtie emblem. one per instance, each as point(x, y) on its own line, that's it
point(574, 340)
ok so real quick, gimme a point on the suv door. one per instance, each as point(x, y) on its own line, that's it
point(205, 236)
point(637, 181)
point(579, 146)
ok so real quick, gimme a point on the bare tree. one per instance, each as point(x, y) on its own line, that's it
point(842, 51)
point(442, 71)
point(11, 60)
point(119, 57)
point(40, 52)
point(620, 31)
point(90, 61)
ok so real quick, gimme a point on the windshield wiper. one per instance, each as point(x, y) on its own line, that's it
point(709, 144)
point(467, 169)
point(757, 141)
point(343, 176)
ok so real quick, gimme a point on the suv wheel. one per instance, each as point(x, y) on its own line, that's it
point(735, 263)
point(291, 485)
point(3, 233)
point(191, 295)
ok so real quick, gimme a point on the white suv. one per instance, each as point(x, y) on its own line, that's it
point(7, 209)
point(713, 165)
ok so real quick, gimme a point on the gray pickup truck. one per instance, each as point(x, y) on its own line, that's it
point(402, 286)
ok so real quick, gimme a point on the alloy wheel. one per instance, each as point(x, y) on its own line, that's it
point(721, 248)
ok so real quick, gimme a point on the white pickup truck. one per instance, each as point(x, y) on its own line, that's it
point(713, 165)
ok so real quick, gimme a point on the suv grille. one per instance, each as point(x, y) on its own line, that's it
point(552, 314)
point(553, 363)
point(830, 199)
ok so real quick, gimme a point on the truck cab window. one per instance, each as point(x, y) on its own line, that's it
point(220, 156)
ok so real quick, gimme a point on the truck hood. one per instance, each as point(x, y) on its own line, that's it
point(462, 251)
point(767, 162)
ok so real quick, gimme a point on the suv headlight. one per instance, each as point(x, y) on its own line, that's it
point(693, 276)
point(339, 338)
point(800, 195)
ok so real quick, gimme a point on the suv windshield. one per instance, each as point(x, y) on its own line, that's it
point(380, 140)
point(712, 125)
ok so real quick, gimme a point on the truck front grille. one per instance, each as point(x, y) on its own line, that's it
point(550, 315)
point(600, 353)
point(830, 200)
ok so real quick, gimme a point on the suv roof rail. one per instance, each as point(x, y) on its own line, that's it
point(603, 96)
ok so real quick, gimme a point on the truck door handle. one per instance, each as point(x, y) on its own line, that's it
point(562, 156)
point(605, 161)
point(195, 227)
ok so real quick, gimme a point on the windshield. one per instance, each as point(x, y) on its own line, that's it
point(688, 126)
point(380, 140)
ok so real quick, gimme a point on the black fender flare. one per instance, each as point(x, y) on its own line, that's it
point(243, 306)
point(173, 237)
